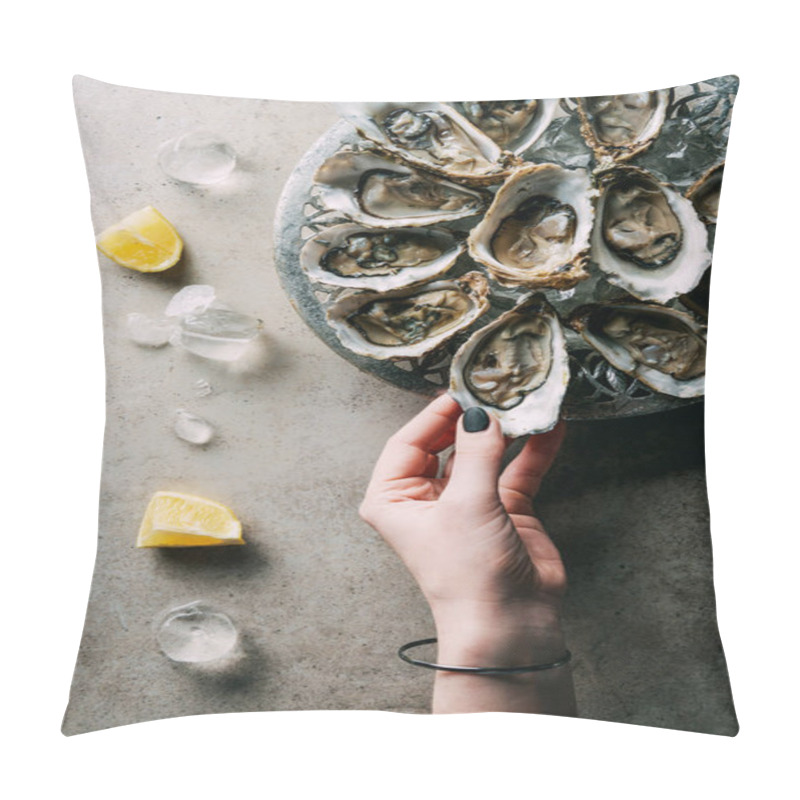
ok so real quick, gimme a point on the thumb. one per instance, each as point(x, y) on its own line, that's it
point(476, 462)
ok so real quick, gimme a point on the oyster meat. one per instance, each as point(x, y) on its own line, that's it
point(540, 229)
point(536, 232)
point(663, 348)
point(513, 125)
point(516, 367)
point(639, 225)
point(366, 258)
point(386, 193)
point(432, 136)
point(622, 125)
point(648, 238)
point(410, 322)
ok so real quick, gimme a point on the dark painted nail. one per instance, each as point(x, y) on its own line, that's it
point(475, 419)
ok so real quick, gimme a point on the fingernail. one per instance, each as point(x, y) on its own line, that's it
point(475, 419)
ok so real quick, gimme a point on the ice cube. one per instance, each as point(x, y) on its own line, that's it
point(192, 428)
point(217, 334)
point(149, 331)
point(191, 300)
point(197, 633)
point(197, 157)
point(202, 388)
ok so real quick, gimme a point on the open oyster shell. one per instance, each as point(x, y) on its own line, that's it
point(697, 299)
point(517, 368)
point(408, 322)
point(663, 348)
point(647, 237)
point(619, 126)
point(365, 258)
point(536, 231)
point(431, 136)
point(513, 125)
point(705, 194)
point(385, 193)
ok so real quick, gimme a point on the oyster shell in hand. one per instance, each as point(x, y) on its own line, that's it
point(516, 368)
point(663, 348)
point(365, 258)
point(648, 238)
point(385, 193)
point(536, 232)
point(409, 322)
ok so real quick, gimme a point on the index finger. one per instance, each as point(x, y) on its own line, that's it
point(519, 484)
point(408, 451)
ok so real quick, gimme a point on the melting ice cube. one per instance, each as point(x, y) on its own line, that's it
point(192, 428)
point(197, 157)
point(202, 388)
point(190, 300)
point(196, 633)
point(149, 331)
point(217, 333)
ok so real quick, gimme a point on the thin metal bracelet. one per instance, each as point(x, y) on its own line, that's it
point(565, 659)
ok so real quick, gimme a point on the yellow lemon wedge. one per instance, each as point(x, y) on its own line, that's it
point(183, 520)
point(144, 241)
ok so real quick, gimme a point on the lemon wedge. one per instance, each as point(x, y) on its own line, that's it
point(183, 520)
point(144, 241)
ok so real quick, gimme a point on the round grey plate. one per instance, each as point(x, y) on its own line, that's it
point(596, 389)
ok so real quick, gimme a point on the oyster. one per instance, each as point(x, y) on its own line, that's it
point(697, 299)
point(386, 193)
point(432, 136)
point(408, 322)
point(705, 193)
point(514, 125)
point(516, 367)
point(663, 348)
point(621, 125)
point(536, 232)
point(648, 238)
point(365, 258)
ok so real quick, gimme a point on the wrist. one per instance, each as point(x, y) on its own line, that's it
point(505, 635)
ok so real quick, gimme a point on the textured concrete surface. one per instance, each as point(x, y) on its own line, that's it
point(321, 602)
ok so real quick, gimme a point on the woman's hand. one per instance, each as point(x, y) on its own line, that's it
point(492, 577)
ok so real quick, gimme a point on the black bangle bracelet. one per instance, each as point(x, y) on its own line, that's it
point(477, 670)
